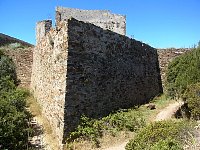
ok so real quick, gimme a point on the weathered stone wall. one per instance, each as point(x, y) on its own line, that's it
point(80, 68)
point(165, 57)
point(23, 59)
point(102, 18)
point(48, 81)
point(106, 71)
point(42, 28)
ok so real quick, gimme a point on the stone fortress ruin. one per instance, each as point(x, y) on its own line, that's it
point(87, 66)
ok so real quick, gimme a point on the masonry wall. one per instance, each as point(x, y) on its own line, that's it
point(42, 28)
point(165, 57)
point(23, 59)
point(105, 72)
point(48, 81)
point(80, 68)
point(102, 18)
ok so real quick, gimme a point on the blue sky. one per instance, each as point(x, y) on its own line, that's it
point(159, 23)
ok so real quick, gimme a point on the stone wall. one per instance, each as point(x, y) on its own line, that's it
point(105, 72)
point(165, 57)
point(48, 80)
point(23, 59)
point(102, 18)
point(80, 68)
point(42, 28)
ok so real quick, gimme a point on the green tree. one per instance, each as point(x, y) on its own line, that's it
point(7, 68)
point(13, 115)
point(198, 45)
point(182, 72)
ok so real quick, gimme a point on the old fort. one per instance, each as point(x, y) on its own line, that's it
point(86, 65)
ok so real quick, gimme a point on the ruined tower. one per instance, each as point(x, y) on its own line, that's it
point(101, 18)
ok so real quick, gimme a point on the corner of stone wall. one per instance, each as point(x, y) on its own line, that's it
point(42, 27)
point(48, 79)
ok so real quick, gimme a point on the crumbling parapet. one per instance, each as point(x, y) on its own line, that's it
point(42, 28)
point(102, 18)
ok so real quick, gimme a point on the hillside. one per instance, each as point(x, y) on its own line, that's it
point(21, 54)
point(5, 40)
point(14, 129)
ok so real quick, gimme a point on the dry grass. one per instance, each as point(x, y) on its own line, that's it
point(36, 111)
point(105, 142)
point(34, 107)
point(121, 137)
point(109, 140)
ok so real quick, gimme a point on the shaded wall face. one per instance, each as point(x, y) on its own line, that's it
point(106, 71)
point(102, 18)
point(48, 80)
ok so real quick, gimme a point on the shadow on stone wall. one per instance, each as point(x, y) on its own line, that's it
point(106, 72)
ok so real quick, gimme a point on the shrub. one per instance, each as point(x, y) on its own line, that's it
point(166, 134)
point(13, 120)
point(167, 144)
point(7, 68)
point(183, 71)
point(130, 120)
point(92, 129)
point(88, 129)
point(192, 97)
point(13, 115)
point(6, 84)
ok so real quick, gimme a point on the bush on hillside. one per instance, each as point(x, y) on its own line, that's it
point(182, 72)
point(92, 129)
point(13, 115)
point(7, 68)
point(192, 97)
point(161, 135)
point(13, 120)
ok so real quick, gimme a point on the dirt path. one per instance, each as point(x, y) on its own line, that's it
point(164, 114)
point(118, 147)
point(168, 111)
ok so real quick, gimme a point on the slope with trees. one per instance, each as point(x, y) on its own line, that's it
point(13, 115)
